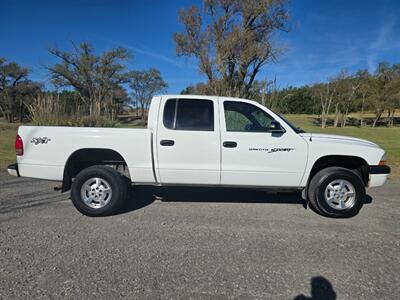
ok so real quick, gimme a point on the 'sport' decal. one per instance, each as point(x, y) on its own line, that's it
point(272, 150)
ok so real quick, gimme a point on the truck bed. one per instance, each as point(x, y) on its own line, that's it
point(47, 149)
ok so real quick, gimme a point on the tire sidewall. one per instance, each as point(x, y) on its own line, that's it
point(116, 184)
point(348, 175)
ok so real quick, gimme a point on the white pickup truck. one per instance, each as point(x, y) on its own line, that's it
point(202, 140)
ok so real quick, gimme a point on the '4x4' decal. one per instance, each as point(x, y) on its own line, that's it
point(40, 140)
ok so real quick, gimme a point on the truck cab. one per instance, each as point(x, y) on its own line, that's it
point(225, 141)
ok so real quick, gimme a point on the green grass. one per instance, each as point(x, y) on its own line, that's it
point(387, 138)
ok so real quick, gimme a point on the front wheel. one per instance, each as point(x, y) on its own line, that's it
point(336, 192)
point(98, 191)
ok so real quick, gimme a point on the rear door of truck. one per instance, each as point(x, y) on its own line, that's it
point(188, 141)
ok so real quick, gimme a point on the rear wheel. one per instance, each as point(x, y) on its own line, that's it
point(98, 191)
point(336, 192)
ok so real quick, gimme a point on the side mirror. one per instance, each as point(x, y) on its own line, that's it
point(275, 127)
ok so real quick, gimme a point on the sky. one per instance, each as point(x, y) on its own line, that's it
point(325, 37)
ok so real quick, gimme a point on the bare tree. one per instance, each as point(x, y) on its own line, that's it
point(386, 88)
point(93, 76)
point(117, 99)
point(364, 91)
point(270, 93)
point(324, 93)
point(144, 85)
point(232, 40)
point(346, 92)
point(394, 90)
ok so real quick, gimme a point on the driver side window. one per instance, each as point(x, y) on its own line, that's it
point(245, 117)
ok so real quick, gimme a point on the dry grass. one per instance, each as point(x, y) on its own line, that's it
point(46, 110)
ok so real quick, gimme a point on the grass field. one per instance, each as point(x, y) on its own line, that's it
point(387, 138)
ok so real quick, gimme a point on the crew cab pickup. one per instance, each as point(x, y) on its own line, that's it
point(202, 140)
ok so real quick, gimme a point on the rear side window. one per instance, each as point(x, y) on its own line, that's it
point(189, 114)
point(169, 113)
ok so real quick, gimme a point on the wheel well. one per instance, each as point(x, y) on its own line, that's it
point(84, 158)
point(353, 163)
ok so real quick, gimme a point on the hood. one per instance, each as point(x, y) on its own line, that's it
point(333, 138)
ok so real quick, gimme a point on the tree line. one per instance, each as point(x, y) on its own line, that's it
point(334, 100)
point(377, 93)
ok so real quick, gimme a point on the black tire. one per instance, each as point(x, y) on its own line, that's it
point(115, 181)
point(319, 183)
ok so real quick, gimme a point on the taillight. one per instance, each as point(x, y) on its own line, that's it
point(19, 146)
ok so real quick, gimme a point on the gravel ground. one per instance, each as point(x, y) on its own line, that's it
point(171, 243)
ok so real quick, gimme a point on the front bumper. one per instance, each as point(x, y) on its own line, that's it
point(378, 175)
point(13, 170)
point(379, 170)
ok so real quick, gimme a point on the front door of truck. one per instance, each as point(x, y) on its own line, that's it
point(254, 156)
point(188, 141)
